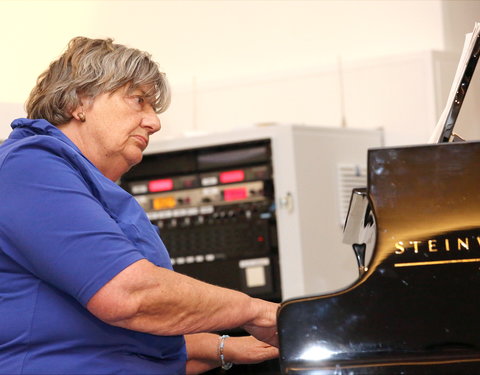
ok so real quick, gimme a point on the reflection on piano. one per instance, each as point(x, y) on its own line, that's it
point(415, 231)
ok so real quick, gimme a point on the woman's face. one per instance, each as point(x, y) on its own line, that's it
point(117, 130)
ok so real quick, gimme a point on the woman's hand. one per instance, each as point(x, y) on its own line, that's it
point(203, 351)
point(247, 350)
point(264, 325)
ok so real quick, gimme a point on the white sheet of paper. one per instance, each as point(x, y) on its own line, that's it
point(466, 52)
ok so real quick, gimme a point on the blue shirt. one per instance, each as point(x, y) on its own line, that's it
point(65, 231)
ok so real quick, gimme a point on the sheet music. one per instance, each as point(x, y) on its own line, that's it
point(468, 47)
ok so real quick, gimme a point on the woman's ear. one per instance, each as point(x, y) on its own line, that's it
point(78, 114)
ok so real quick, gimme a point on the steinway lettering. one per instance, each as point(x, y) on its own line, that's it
point(436, 245)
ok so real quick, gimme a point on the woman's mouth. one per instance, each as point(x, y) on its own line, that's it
point(142, 140)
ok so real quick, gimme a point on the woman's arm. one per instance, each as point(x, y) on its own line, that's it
point(151, 299)
point(198, 366)
point(204, 354)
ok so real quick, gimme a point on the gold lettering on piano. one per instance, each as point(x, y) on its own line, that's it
point(433, 245)
point(463, 244)
point(415, 245)
point(399, 247)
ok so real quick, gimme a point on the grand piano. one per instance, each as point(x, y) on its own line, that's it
point(415, 231)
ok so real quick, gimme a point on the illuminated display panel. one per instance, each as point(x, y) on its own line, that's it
point(160, 185)
point(164, 202)
point(232, 176)
point(234, 194)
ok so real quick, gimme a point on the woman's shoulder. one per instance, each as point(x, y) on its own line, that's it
point(43, 158)
point(36, 149)
point(36, 136)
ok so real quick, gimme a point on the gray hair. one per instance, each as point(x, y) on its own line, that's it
point(90, 67)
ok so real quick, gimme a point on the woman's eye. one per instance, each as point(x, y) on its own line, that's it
point(140, 99)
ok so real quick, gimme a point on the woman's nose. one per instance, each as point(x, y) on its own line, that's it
point(151, 121)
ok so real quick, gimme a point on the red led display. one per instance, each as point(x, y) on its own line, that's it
point(234, 194)
point(160, 185)
point(232, 176)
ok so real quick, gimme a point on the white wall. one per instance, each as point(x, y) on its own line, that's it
point(402, 94)
point(458, 17)
point(219, 54)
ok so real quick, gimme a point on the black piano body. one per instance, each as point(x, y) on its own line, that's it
point(416, 307)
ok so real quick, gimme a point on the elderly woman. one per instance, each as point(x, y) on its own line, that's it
point(86, 284)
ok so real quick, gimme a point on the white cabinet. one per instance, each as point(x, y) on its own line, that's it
point(313, 170)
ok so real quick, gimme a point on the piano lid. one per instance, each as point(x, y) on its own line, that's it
point(415, 310)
